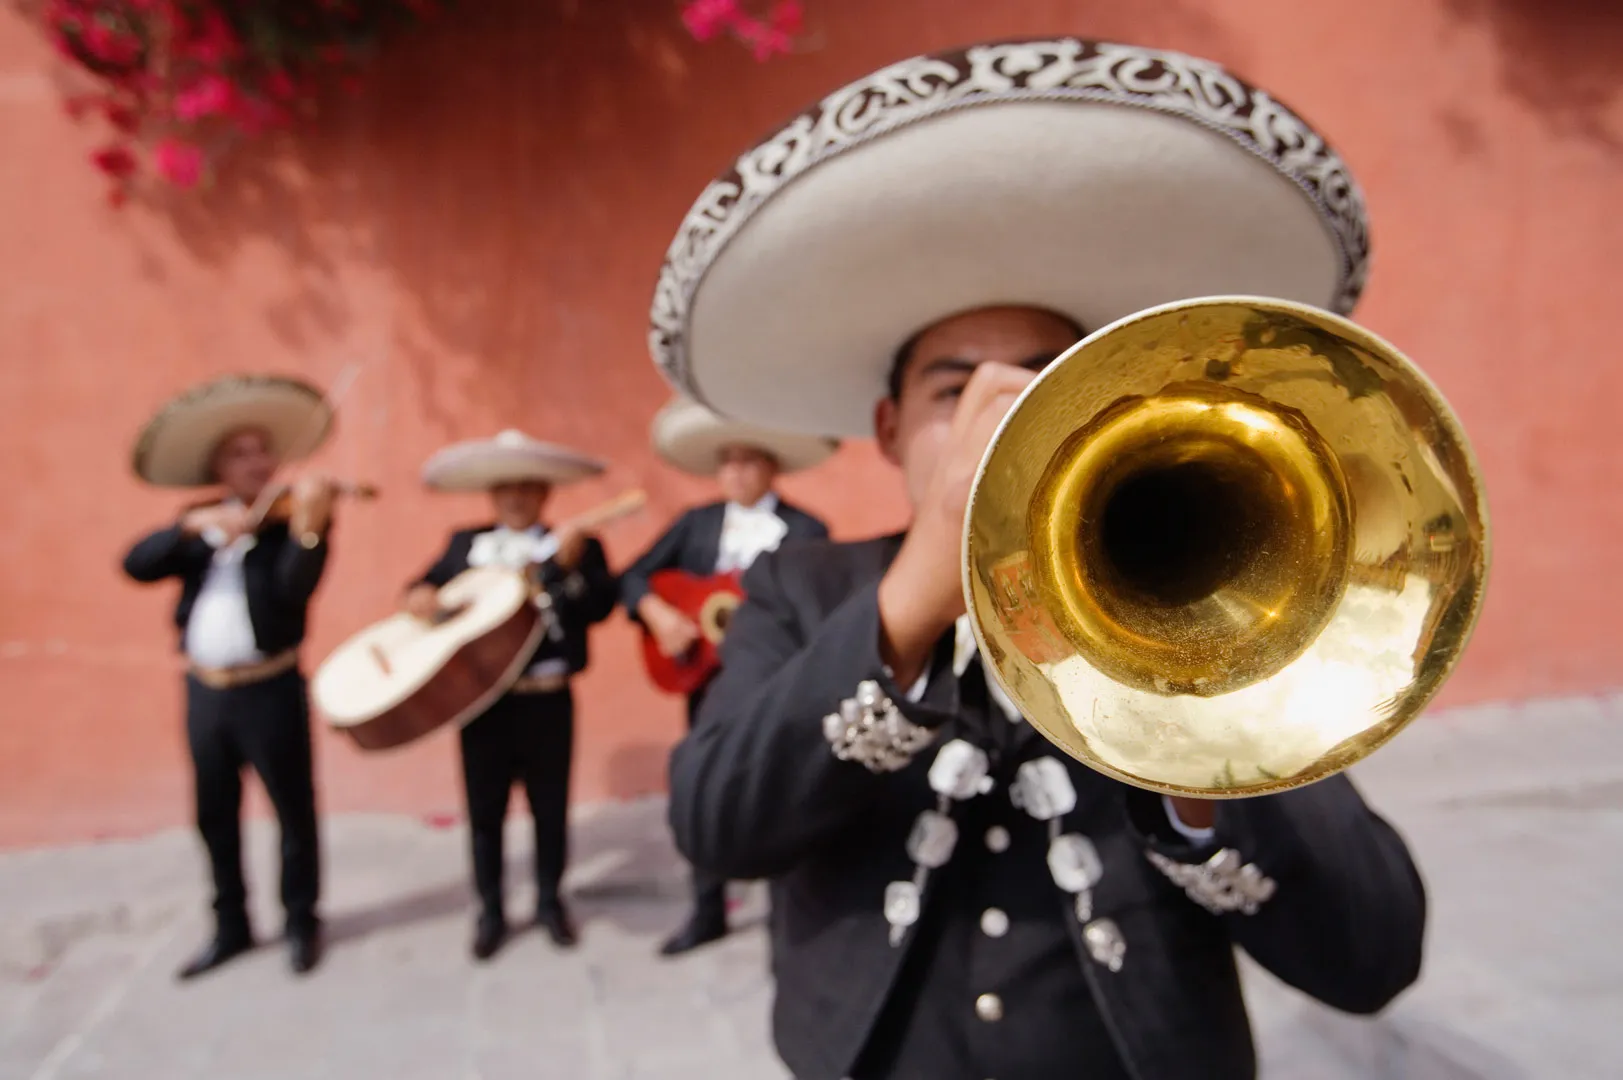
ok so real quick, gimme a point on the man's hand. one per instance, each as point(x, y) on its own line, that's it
point(571, 546)
point(673, 631)
point(422, 601)
point(312, 505)
point(922, 593)
point(228, 521)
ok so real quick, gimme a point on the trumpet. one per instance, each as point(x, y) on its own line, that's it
point(1225, 547)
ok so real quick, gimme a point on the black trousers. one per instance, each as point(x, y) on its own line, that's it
point(709, 890)
point(528, 739)
point(267, 726)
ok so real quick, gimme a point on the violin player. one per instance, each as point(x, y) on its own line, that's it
point(247, 577)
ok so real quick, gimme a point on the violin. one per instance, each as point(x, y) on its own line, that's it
point(275, 505)
point(279, 506)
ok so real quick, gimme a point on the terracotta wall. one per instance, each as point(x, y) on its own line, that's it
point(480, 229)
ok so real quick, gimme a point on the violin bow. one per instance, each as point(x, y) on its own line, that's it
point(340, 387)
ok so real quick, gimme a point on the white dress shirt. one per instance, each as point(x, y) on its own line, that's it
point(219, 633)
point(747, 531)
point(964, 650)
point(516, 549)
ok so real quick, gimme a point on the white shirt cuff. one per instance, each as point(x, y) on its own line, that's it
point(915, 693)
point(1188, 832)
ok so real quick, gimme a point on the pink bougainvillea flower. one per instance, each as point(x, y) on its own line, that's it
point(211, 41)
point(253, 115)
point(279, 85)
point(208, 95)
point(764, 41)
point(115, 161)
point(111, 45)
point(707, 18)
point(121, 116)
point(788, 17)
point(180, 163)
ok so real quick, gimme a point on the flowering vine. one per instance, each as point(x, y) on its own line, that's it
point(178, 80)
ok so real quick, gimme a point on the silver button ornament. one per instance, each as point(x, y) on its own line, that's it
point(1074, 862)
point(1105, 943)
point(960, 771)
point(932, 840)
point(901, 908)
point(1043, 789)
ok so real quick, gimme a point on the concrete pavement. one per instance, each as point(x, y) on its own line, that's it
point(1516, 815)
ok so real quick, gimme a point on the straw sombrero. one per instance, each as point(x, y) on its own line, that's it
point(509, 458)
point(176, 447)
point(1091, 178)
point(691, 437)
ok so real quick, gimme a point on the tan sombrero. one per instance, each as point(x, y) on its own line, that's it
point(691, 437)
point(176, 447)
point(509, 458)
point(1090, 178)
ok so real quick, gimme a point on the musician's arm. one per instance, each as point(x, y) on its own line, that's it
point(1346, 916)
point(756, 784)
point(299, 566)
point(452, 561)
point(665, 554)
point(165, 553)
point(587, 594)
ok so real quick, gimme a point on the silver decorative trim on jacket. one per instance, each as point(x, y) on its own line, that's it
point(1221, 884)
point(870, 730)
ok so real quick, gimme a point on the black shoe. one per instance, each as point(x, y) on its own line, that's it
point(552, 918)
point(488, 935)
point(224, 947)
point(701, 929)
point(304, 949)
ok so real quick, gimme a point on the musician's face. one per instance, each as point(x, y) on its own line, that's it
point(519, 505)
point(912, 425)
point(745, 474)
point(244, 462)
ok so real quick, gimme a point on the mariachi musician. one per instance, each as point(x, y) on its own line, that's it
point(248, 564)
point(527, 735)
point(952, 898)
point(722, 537)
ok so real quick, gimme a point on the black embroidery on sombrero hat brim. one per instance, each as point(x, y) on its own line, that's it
point(1060, 69)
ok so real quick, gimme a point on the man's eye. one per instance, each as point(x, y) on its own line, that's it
point(949, 393)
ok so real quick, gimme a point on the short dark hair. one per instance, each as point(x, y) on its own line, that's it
point(904, 354)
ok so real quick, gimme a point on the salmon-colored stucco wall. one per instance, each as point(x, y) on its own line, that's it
point(480, 229)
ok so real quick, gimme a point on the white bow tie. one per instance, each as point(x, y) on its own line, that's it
point(514, 550)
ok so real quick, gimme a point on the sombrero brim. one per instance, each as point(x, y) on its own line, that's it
point(1092, 179)
point(176, 447)
point(691, 437)
point(481, 465)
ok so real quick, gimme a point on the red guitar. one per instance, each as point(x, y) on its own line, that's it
point(708, 601)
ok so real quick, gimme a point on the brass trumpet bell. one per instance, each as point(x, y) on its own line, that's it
point(1225, 547)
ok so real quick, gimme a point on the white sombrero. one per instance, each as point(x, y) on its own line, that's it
point(691, 437)
point(176, 447)
point(509, 458)
point(1090, 178)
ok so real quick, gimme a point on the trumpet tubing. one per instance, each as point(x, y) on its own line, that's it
point(1225, 547)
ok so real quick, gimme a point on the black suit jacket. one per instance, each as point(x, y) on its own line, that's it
point(580, 598)
point(280, 576)
point(693, 544)
point(757, 792)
